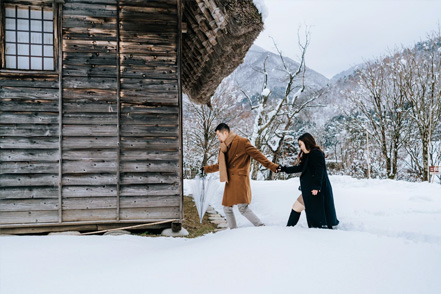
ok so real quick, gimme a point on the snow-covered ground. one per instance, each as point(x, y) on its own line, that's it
point(389, 241)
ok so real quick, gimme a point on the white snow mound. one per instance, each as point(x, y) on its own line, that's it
point(389, 241)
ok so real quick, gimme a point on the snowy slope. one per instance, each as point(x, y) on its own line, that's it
point(381, 207)
point(249, 78)
point(389, 241)
point(346, 73)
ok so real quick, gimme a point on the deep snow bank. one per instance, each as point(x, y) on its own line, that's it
point(383, 207)
point(388, 242)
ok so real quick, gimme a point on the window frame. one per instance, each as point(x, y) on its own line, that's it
point(56, 35)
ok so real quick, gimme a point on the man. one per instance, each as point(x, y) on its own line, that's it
point(234, 162)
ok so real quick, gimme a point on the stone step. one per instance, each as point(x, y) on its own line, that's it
point(223, 225)
point(217, 222)
point(215, 218)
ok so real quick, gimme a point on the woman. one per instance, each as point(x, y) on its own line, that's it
point(316, 198)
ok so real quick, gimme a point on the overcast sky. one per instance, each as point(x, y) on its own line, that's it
point(346, 32)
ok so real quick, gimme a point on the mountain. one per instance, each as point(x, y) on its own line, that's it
point(346, 73)
point(249, 77)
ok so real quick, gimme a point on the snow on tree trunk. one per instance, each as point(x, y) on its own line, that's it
point(267, 112)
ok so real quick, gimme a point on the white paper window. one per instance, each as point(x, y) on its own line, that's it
point(29, 37)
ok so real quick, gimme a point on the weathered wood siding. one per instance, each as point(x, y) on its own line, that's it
point(90, 138)
point(28, 148)
point(149, 109)
point(120, 146)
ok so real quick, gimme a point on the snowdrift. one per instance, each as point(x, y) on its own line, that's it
point(389, 241)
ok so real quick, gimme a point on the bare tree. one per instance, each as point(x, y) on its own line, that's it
point(397, 100)
point(423, 92)
point(294, 105)
point(200, 141)
point(268, 112)
point(380, 98)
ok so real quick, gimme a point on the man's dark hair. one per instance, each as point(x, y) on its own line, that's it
point(222, 127)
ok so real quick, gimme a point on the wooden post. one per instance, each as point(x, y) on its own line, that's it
point(429, 143)
point(181, 145)
point(118, 107)
point(58, 29)
point(367, 155)
point(176, 227)
point(2, 35)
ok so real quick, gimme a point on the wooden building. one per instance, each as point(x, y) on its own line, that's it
point(90, 105)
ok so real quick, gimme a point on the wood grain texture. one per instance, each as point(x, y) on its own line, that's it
point(28, 155)
point(26, 217)
point(29, 193)
point(28, 167)
point(135, 149)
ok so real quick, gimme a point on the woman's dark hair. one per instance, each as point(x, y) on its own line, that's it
point(310, 145)
point(222, 127)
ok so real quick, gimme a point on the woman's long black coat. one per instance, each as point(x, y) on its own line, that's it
point(320, 209)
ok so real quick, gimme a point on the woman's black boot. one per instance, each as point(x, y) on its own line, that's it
point(293, 218)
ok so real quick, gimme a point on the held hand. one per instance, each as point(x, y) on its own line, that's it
point(202, 172)
point(281, 168)
point(278, 169)
point(315, 192)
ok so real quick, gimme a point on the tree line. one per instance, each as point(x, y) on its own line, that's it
point(387, 125)
point(394, 107)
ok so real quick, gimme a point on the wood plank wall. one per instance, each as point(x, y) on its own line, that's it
point(149, 109)
point(90, 139)
point(120, 120)
point(28, 148)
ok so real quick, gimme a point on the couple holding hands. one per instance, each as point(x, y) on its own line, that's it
point(234, 168)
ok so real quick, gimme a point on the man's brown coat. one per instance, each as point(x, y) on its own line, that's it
point(238, 158)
